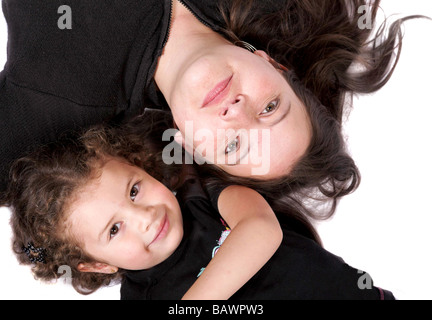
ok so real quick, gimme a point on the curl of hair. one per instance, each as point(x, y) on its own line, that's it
point(330, 58)
point(321, 41)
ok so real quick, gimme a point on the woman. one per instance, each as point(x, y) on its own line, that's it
point(102, 61)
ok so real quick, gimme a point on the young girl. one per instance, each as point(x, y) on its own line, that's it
point(89, 204)
point(103, 210)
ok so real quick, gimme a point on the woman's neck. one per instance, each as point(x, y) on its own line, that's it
point(188, 40)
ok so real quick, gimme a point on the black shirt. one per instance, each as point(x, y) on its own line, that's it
point(300, 269)
point(56, 80)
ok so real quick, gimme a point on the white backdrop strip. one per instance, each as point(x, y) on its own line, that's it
point(384, 227)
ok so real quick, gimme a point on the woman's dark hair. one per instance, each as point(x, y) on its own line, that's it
point(320, 41)
point(44, 182)
point(330, 57)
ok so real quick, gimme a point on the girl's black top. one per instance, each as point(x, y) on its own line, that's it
point(300, 269)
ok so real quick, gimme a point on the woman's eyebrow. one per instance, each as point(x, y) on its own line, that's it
point(241, 158)
point(284, 114)
point(280, 118)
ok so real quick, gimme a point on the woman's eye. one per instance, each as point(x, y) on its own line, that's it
point(114, 230)
point(134, 192)
point(271, 107)
point(232, 146)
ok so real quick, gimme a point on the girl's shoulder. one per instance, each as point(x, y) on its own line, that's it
point(197, 202)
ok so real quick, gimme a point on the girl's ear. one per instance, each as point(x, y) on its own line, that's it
point(97, 267)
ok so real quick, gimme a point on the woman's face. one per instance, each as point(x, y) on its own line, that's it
point(125, 218)
point(238, 111)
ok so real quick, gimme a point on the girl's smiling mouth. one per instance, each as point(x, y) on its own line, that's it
point(162, 229)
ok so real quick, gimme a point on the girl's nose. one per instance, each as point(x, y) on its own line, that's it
point(146, 218)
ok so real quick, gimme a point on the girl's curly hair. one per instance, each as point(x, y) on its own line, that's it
point(43, 185)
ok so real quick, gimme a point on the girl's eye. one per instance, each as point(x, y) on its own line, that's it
point(271, 107)
point(232, 146)
point(134, 192)
point(114, 230)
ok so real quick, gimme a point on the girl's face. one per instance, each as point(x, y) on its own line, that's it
point(238, 111)
point(126, 218)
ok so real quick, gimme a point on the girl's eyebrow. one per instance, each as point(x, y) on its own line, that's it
point(126, 194)
point(129, 185)
point(108, 225)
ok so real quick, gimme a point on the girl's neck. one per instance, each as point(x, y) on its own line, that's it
point(188, 39)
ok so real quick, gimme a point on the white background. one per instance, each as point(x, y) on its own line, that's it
point(384, 227)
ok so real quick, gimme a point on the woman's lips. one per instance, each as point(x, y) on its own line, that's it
point(218, 93)
point(162, 229)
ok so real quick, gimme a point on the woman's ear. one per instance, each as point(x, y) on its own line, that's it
point(275, 64)
point(263, 54)
point(97, 267)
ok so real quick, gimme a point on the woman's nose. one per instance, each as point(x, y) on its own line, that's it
point(236, 111)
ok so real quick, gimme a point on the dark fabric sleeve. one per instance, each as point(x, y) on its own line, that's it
point(214, 194)
point(60, 80)
point(95, 63)
point(303, 270)
point(30, 118)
